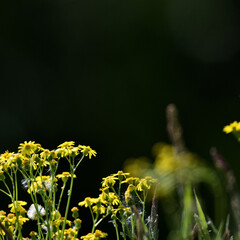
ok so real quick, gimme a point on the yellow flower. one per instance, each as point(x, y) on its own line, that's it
point(27, 148)
point(5, 161)
point(145, 183)
point(99, 208)
point(234, 126)
point(41, 183)
point(227, 129)
point(64, 176)
point(61, 152)
point(109, 181)
point(87, 151)
point(45, 154)
point(32, 234)
point(2, 215)
point(128, 194)
point(120, 175)
point(128, 197)
point(88, 202)
point(17, 206)
point(113, 199)
point(66, 144)
point(22, 220)
point(122, 209)
point(95, 236)
point(11, 218)
point(74, 209)
point(131, 180)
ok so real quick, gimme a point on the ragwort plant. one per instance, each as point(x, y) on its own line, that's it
point(122, 198)
point(37, 167)
point(126, 211)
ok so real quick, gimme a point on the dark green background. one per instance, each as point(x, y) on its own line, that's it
point(101, 73)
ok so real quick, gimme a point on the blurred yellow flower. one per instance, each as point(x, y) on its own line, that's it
point(231, 127)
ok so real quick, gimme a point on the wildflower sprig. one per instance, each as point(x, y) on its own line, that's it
point(38, 169)
point(118, 195)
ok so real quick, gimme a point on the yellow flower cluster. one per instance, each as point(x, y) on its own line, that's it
point(38, 167)
point(32, 155)
point(232, 127)
point(110, 201)
point(17, 215)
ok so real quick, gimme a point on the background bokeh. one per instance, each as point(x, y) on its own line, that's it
point(101, 73)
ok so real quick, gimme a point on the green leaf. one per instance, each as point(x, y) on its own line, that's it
point(200, 213)
point(219, 234)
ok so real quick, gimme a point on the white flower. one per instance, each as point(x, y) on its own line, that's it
point(32, 212)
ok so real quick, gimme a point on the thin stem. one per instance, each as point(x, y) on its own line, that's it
point(143, 203)
point(60, 198)
point(78, 163)
point(93, 219)
point(133, 226)
point(68, 201)
point(8, 189)
point(6, 193)
point(116, 228)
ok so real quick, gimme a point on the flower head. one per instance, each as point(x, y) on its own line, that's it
point(27, 148)
point(87, 151)
point(121, 175)
point(87, 202)
point(109, 181)
point(17, 206)
point(64, 176)
point(66, 144)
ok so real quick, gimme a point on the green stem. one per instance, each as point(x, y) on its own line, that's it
point(100, 220)
point(10, 194)
point(123, 228)
point(16, 206)
point(60, 198)
point(78, 163)
point(93, 219)
point(68, 201)
point(6, 193)
point(116, 228)
point(119, 188)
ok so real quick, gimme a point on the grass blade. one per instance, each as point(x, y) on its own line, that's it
point(202, 220)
